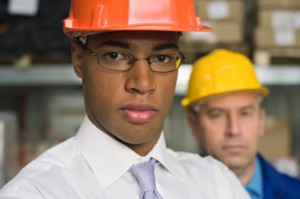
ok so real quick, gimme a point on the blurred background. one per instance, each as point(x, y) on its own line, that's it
point(41, 101)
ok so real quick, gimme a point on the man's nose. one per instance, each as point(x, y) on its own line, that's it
point(140, 78)
point(233, 126)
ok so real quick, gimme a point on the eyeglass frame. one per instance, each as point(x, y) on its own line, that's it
point(132, 59)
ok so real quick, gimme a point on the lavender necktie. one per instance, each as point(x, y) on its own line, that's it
point(144, 173)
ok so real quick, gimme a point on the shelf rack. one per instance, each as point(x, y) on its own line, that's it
point(64, 75)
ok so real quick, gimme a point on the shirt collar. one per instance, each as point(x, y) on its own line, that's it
point(254, 186)
point(109, 159)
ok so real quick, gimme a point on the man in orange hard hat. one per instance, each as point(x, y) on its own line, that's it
point(126, 53)
point(223, 104)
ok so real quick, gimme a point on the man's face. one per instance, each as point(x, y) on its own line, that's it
point(130, 106)
point(228, 127)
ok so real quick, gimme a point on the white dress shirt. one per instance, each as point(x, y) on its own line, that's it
point(92, 165)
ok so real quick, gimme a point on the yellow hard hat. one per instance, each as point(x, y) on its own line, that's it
point(220, 72)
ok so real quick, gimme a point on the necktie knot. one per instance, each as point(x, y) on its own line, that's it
point(144, 173)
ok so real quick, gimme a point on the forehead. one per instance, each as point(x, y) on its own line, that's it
point(233, 100)
point(135, 36)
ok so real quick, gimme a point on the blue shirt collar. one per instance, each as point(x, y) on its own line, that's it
point(255, 185)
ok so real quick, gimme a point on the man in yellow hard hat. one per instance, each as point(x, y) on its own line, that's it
point(223, 104)
point(126, 53)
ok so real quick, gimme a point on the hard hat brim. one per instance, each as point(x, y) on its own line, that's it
point(186, 102)
point(69, 29)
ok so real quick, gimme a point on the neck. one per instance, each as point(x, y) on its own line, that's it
point(244, 174)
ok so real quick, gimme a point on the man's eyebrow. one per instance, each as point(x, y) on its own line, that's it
point(114, 44)
point(166, 46)
point(247, 107)
point(210, 110)
point(121, 44)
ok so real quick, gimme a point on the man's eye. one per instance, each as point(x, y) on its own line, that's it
point(162, 58)
point(246, 113)
point(215, 114)
point(113, 56)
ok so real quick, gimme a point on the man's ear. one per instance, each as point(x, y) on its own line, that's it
point(76, 55)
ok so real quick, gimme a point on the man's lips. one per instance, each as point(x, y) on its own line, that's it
point(139, 113)
point(233, 148)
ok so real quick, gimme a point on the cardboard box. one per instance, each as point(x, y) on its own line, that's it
point(279, 18)
point(267, 37)
point(220, 10)
point(276, 141)
point(278, 3)
point(224, 32)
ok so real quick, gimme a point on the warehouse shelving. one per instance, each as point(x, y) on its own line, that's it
point(64, 75)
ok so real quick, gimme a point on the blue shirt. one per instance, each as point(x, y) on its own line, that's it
point(255, 185)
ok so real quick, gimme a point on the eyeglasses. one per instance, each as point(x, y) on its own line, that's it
point(119, 61)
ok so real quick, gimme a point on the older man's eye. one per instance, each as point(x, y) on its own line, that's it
point(215, 114)
point(246, 113)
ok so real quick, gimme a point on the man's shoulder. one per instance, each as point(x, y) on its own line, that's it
point(207, 171)
point(194, 158)
point(278, 183)
point(272, 174)
point(58, 155)
point(198, 164)
point(43, 166)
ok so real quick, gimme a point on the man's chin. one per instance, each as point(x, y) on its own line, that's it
point(235, 162)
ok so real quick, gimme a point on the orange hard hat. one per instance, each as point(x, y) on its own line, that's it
point(91, 16)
